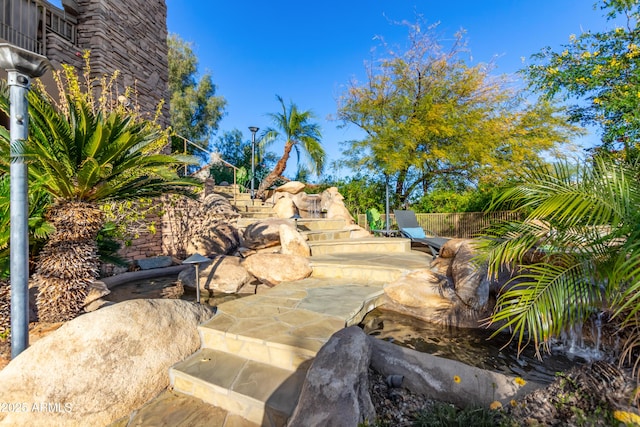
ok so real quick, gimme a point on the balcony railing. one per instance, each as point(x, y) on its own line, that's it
point(26, 23)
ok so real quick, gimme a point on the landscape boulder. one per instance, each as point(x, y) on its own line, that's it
point(336, 389)
point(102, 365)
point(220, 239)
point(292, 242)
point(265, 233)
point(285, 207)
point(332, 203)
point(223, 274)
point(272, 269)
point(454, 291)
point(291, 187)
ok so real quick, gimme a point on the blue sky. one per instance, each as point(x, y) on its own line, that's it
point(308, 51)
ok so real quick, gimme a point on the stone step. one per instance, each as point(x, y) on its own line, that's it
point(315, 224)
point(361, 245)
point(368, 267)
point(316, 235)
point(258, 392)
point(266, 340)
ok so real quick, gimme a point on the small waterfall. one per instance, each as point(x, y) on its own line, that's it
point(572, 342)
point(314, 206)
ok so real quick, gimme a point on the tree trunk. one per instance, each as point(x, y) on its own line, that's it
point(69, 261)
point(277, 171)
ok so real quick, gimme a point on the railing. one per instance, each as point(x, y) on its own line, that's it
point(460, 225)
point(26, 23)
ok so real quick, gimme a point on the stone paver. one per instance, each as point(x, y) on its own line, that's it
point(256, 350)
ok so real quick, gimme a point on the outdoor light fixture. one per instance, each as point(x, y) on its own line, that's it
point(21, 66)
point(253, 130)
point(197, 259)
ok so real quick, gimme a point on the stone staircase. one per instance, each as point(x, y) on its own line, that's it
point(256, 350)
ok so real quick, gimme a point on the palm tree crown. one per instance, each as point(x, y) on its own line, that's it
point(300, 134)
point(575, 253)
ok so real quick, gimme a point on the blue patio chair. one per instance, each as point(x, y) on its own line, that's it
point(411, 229)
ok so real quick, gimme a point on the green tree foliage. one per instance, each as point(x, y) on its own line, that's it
point(428, 117)
point(362, 192)
point(232, 148)
point(195, 108)
point(579, 245)
point(601, 73)
point(301, 134)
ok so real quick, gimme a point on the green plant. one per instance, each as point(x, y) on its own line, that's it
point(85, 150)
point(443, 414)
point(580, 243)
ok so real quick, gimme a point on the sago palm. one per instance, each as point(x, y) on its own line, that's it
point(82, 156)
point(574, 254)
point(300, 134)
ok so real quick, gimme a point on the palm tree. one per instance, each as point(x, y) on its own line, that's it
point(581, 231)
point(84, 155)
point(299, 134)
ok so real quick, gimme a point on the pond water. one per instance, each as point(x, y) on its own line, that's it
point(153, 288)
point(470, 346)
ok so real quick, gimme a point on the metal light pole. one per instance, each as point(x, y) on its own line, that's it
point(21, 66)
point(386, 198)
point(253, 130)
point(197, 259)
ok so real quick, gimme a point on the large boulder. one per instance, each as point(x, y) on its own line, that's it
point(455, 291)
point(221, 239)
point(272, 269)
point(470, 278)
point(291, 187)
point(285, 207)
point(422, 289)
point(293, 242)
point(336, 388)
point(203, 226)
point(332, 202)
point(102, 365)
point(264, 234)
point(223, 274)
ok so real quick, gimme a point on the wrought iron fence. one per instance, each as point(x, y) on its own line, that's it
point(25, 23)
point(457, 224)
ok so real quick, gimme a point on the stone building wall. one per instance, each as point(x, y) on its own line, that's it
point(130, 36)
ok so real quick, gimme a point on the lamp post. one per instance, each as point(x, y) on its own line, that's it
point(197, 259)
point(386, 198)
point(21, 66)
point(253, 130)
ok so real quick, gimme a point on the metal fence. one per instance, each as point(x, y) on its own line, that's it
point(457, 224)
point(25, 24)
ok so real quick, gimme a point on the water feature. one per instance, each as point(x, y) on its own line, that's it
point(155, 287)
point(470, 346)
point(314, 203)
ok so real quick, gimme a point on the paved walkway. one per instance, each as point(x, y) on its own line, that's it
point(256, 350)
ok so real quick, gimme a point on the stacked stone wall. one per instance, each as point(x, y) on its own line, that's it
point(130, 36)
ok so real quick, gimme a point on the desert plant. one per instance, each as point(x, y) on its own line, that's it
point(83, 150)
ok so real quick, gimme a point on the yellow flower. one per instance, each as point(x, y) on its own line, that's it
point(520, 381)
point(495, 405)
point(586, 55)
point(626, 417)
point(552, 70)
point(596, 100)
point(513, 403)
point(456, 379)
